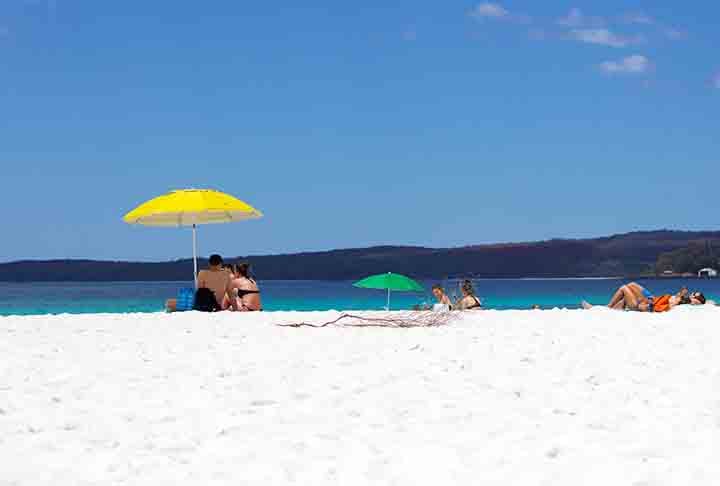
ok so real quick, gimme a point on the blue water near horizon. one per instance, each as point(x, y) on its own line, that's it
point(304, 295)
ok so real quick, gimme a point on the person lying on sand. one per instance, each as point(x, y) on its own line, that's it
point(635, 297)
point(469, 300)
point(244, 294)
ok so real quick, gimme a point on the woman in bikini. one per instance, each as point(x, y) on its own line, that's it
point(246, 293)
point(635, 297)
point(468, 301)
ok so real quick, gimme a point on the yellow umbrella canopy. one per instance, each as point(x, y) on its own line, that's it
point(191, 207)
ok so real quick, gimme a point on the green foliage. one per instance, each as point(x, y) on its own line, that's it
point(692, 258)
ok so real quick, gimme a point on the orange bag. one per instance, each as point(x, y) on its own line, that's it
point(661, 304)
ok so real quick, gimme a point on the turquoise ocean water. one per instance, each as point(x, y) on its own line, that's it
point(119, 297)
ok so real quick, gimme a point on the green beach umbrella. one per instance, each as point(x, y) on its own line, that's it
point(389, 281)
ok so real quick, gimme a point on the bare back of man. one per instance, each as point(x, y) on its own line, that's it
point(217, 280)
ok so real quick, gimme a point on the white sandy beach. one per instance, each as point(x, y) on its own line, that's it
point(497, 398)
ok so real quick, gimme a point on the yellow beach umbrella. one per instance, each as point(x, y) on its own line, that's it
point(191, 207)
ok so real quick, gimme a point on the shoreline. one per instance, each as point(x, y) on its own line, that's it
point(423, 279)
point(149, 297)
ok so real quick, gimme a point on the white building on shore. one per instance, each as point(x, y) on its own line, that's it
point(708, 273)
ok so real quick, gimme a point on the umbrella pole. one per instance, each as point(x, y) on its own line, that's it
point(388, 301)
point(195, 271)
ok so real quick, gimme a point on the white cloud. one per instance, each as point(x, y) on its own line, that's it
point(638, 18)
point(576, 18)
point(489, 10)
point(603, 37)
point(630, 65)
point(495, 11)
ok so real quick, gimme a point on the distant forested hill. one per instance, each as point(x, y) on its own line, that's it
point(620, 255)
point(691, 258)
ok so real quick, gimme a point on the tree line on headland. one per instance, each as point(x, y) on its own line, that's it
point(630, 255)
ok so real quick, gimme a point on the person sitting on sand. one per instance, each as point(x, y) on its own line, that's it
point(635, 297)
point(244, 293)
point(469, 300)
point(213, 279)
point(441, 296)
point(216, 279)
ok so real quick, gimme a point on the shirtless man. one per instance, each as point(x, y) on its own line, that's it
point(217, 279)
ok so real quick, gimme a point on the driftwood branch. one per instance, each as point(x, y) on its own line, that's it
point(396, 319)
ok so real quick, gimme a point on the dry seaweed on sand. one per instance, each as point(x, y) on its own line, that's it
point(389, 319)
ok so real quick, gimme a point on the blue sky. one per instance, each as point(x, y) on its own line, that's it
point(353, 124)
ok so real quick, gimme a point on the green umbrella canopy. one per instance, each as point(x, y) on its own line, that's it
point(389, 281)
